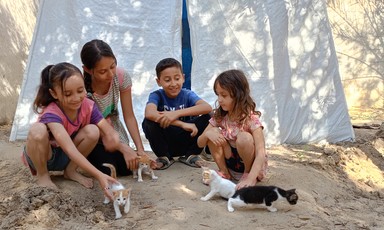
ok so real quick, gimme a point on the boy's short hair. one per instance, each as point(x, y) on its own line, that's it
point(166, 63)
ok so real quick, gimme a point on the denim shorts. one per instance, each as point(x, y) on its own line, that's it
point(58, 162)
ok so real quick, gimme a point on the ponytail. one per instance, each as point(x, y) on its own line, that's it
point(43, 97)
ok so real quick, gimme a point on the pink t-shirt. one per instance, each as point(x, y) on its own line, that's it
point(230, 129)
point(87, 114)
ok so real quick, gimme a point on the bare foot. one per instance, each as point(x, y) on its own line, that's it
point(45, 181)
point(75, 176)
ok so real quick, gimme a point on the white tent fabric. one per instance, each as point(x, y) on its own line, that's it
point(141, 33)
point(285, 47)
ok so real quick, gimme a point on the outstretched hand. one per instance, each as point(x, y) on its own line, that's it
point(246, 181)
point(130, 156)
point(105, 182)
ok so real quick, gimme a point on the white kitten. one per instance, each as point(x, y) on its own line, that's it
point(121, 195)
point(218, 185)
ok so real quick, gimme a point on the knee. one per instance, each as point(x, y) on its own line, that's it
point(91, 132)
point(149, 126)
point(244, 139)
point(38, 132)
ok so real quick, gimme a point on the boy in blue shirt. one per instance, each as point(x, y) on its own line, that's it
point(174, 118)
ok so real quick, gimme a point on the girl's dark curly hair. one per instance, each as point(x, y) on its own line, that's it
point(236, 83)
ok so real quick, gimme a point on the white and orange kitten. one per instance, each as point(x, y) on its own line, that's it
point(144, 167)
point(218, 185)
point(121, 195)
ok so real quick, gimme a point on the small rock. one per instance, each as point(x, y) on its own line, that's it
point(329, 150)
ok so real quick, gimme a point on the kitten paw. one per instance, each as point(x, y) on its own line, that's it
point(118, 216)
point(155, 178)
point(272, 209)
point(140, 180)
point(203, 198)
point(230, 209)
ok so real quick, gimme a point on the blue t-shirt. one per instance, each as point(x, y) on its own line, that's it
point(185, 99)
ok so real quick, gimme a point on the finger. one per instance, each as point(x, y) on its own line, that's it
point(112, 181)
point(133, 164)
point(107, 193)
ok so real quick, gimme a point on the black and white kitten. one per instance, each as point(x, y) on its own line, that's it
point(261, 195)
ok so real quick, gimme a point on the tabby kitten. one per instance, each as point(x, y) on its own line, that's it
point(121, 195)
point(218, 185)
point(262, 195)
point(144, 167)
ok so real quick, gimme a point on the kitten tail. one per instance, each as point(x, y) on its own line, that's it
point(112, 168)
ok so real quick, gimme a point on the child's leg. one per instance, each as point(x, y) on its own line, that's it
point(39, 151)
point(85, 140)
point(201, 123)
point(246, 149)
point(157, 138)
point(219, 154)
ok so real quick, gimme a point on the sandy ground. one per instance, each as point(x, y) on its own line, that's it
point(340, 186)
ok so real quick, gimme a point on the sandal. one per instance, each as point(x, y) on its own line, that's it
point(192, 161)
point(206, 155)
point(165, 161)
point(25, 162)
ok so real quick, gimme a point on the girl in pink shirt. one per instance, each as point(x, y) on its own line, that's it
point(235, 134)
point(68, 127)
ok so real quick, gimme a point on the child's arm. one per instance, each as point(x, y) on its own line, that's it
point(201, 107)
point(202, 140)
point(111, 142)
point(167, 118)
point(213, 134)
point(151, 112)
point(130, 119)
point(65, 142)
point(109, 136)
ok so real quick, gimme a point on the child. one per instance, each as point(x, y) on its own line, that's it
point(106, 84)
point(67, 129)
point(234, 134)
point(174, 118)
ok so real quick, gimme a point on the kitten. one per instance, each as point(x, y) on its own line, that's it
point(218, 185)
point(121, 195)
point(262, 195)
point(144, 166)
